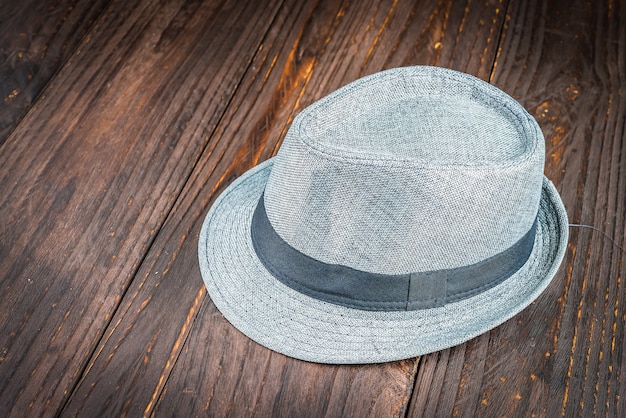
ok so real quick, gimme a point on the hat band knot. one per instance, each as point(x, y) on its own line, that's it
point(358, 289)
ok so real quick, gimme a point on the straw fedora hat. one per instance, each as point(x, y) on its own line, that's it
point(405, 213)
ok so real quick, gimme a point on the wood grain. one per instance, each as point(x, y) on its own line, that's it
point(288, 387)
point(312, 49)
point(36, 38)
point(563, 355)
point(89, 176)
point(151, 109)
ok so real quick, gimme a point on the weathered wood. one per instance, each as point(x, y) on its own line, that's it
point(169, 291)
point(36, 38)
point(211, 368)
point(107, 179)
point(89, 176)
point(564, 354)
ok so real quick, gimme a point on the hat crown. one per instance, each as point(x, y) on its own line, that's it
point(409, 170)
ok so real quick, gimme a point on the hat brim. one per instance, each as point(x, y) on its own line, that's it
point(289, 322)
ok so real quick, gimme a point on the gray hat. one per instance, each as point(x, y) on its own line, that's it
point(405, 213)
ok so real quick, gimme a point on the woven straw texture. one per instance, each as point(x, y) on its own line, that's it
point(403, 171)
point(383, 197)
point(299, 326)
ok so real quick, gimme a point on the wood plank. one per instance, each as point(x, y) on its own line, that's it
point(169, 292)
point(564, 354)
point(279, 386)
point(36, 38)
point(168, 350)
point(89, 176)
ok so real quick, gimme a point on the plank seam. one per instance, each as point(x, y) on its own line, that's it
point(165, 375)
point(490, 78)
point(494, 63)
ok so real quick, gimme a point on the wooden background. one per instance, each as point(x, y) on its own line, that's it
point(122, 120)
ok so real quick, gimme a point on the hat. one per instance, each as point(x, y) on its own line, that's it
point(405, 213)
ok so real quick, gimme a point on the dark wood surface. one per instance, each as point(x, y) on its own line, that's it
point(36, 38)
point(122, 121)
